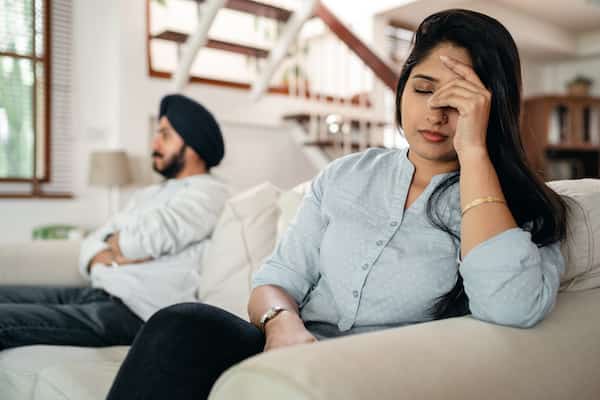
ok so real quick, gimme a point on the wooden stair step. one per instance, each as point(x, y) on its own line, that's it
point(258, 9)
point(180, 38)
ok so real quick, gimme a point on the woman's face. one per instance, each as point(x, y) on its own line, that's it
point(429, 131)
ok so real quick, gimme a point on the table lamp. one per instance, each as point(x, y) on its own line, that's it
point(109, 168)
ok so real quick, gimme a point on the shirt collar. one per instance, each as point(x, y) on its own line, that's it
point(411, 167)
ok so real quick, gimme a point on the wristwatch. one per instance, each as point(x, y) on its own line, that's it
point(269, 315)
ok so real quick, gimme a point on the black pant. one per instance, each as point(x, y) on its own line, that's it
point(181, 351)
point(64, 316)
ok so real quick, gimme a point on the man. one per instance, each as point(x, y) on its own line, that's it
point(144, 258)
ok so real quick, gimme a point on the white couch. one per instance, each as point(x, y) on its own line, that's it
point(459, 358)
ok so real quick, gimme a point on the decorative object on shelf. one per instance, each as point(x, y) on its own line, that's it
point(110, 168)
point(579, 86)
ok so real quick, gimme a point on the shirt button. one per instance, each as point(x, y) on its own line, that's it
point(394, 223)
point(355, 293)
point(365, 267)
point(379, 243)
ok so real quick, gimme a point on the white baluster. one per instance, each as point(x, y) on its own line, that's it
point(363, 104)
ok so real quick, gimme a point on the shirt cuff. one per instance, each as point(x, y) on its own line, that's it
point(89, 249)
point(293, 283)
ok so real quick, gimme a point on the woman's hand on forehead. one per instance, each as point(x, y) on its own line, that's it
point(464, 71)
point(471, 99)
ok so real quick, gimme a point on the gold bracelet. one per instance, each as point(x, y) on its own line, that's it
point(480, 201)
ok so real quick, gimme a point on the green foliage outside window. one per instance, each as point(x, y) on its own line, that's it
point(18, 61)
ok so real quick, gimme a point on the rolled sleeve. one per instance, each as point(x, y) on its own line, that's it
point(294, 264)
point(510, 281)
point(188, 218)
point(89, 248)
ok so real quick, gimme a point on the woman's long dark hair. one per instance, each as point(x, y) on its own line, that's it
point(495, 59)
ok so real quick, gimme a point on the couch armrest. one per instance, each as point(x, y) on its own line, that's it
point(43, 262)
point(459, 358)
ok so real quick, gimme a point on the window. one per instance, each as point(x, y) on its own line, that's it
point(24, 91)
point(35, 99)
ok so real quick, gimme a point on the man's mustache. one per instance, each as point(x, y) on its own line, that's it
point(157, 154)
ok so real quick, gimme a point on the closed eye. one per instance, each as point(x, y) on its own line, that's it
point(423, 91)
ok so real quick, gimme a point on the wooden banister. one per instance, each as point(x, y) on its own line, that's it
point(383, 71)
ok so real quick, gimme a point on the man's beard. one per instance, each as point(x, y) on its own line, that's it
point(173, 166)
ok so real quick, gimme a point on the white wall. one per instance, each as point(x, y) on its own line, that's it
point(556, 75)
point(533, 76)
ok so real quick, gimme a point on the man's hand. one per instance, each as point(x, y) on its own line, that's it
point(108, 256)
point(105, 257)
point(122, 260)
point(286, 329)
point(113, 242)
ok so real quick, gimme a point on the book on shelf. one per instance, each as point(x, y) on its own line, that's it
point(593, 125)
point(558, 126)
point(554, 128)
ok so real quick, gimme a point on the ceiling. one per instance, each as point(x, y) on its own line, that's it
point(542, 29)
point(573, 15)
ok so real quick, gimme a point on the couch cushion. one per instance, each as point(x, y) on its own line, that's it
point(243, 237)
point(451, 359)
point(581, 249)
point(20, 367)
point(41, 262)
point(82, 380)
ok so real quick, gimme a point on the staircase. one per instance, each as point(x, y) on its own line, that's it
point(338, 80)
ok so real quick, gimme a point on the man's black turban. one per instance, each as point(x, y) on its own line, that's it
point(196, 125)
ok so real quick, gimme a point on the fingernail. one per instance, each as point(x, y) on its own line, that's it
point(444, 58)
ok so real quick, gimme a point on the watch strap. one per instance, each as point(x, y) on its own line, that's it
point(269, 315)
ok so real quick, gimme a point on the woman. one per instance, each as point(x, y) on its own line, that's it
point(458, 224)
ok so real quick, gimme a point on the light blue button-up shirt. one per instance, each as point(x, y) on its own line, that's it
point(356, 261)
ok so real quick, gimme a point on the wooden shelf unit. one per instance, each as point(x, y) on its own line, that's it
point(561, 135)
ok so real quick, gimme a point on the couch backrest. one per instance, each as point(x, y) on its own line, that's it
point(581, 248)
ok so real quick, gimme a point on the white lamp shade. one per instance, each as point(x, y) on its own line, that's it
point(109, 168)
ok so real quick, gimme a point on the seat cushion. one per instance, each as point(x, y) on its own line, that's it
point(456, 358)
point(21, 367)
point(80, 380)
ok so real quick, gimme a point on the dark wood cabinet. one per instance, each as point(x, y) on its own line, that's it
point(561, 135)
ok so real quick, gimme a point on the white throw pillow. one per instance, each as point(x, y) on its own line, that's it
point(243, 237)
point(288, 204)
point(581, 248)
